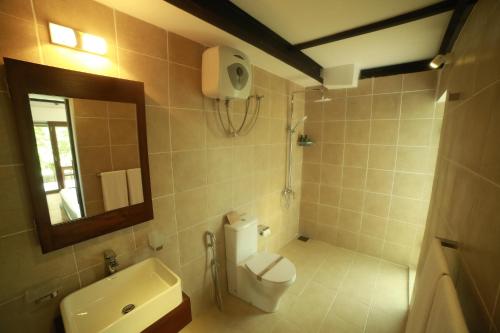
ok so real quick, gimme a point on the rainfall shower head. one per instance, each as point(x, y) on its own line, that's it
point(323, 99)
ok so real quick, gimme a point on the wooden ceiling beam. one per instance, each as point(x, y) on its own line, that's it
point(230, 18)
point(415, 15)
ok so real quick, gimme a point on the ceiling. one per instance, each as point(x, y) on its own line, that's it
point(298, 21)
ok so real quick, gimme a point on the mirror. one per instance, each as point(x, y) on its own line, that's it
point(84, 145)
point(88, 154)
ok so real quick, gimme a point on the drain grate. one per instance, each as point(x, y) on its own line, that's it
point(127, 308)
point(303, 238)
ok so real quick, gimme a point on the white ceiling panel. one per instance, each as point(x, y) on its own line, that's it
point(404, 43)
point(301, 20)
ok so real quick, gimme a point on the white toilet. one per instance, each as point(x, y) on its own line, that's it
point(258, 278)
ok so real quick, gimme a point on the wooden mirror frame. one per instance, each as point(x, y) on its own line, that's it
point(28, 78)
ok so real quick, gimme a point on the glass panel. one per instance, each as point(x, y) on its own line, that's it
point(89, 153)
point(65, 156)
point(45, 153)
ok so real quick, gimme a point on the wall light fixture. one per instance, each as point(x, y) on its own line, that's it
point(61, 35)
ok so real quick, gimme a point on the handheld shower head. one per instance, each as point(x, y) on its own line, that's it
point(298, 123)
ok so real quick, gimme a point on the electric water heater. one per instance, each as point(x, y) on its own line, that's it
point(226, 73)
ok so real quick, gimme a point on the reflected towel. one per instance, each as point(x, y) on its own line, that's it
point(114, 189)
point(446, 314)
point(134, 181)
point(433, 268)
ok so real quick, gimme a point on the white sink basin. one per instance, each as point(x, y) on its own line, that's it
point(150, 286)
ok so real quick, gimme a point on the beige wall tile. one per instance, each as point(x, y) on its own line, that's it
point(396, 253)
point(187, 212)
point(333, 132)
point(411, 185)
point(139, 36)
point(331, 174)
point(327, 215)
point(314, 111)
point(21, 9)
point(354, 178)
point(386, 106)
point(10, 151)
point(352, 199)
point(308, 211)
point(329, 195)
point(357, 132)
point(332, 153)
point(347, 239)
point(387, 84)
point(415, 132)
point(188, 129)
point(400, 233)
point(335, 109)
point(420, 80)
point(185, 87)
point(15, 207)
point(310, 192)
point(90, 252)
point(349, 220)
point(382, 157)
point(94, 160)
point(158, 129)
point(92, 132)
point(364, 88)
point(374, 226)
point(192, 243)
point(125, 157)
point(369, 245)
point(359, 108)
point(220, 165)
point(314, 130)
point(384, 132)
point(379, 181)
point(123, 131)
point(260, 77)
point(90, 108)
point(153, 72)
point(190, 169)
point(413, 159)
point(121, 110)
point(312, 153)
point(377, 204)
point(184, 51)
point(408, 210)
point(160, 171)
point(311, 172)
point(417, 104)
point(34, 268)
point(356, 155)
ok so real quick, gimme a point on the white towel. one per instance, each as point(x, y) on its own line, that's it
point(426, 281)
point(134, 181)
point(114, 189)
point(446, 314)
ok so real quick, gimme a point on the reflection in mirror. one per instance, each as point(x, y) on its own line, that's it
point(88, 153)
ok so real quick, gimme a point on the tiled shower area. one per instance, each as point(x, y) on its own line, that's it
point(367, 180)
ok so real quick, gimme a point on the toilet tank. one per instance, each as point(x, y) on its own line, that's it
point(241, 239)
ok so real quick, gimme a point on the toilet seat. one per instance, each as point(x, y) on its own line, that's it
point(283, 270)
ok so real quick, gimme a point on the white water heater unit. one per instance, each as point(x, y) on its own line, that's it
point(226, 73)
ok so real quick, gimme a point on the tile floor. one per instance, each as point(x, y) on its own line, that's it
point(336, 291)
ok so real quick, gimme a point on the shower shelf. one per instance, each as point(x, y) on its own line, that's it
point(305, 143)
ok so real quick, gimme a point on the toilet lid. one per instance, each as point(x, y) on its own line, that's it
point(282, 271)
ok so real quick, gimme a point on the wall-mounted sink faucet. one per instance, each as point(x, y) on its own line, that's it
point(110, 261)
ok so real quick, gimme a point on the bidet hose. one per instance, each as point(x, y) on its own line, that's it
point(214, 267)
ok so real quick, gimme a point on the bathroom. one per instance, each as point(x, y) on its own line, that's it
point(385, 218)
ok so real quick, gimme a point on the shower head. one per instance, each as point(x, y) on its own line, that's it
point(323, 99)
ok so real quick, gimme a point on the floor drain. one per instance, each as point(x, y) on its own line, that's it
point(127, 308)
point(303, 238)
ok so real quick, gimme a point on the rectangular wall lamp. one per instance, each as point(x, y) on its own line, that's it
point(61, 35)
